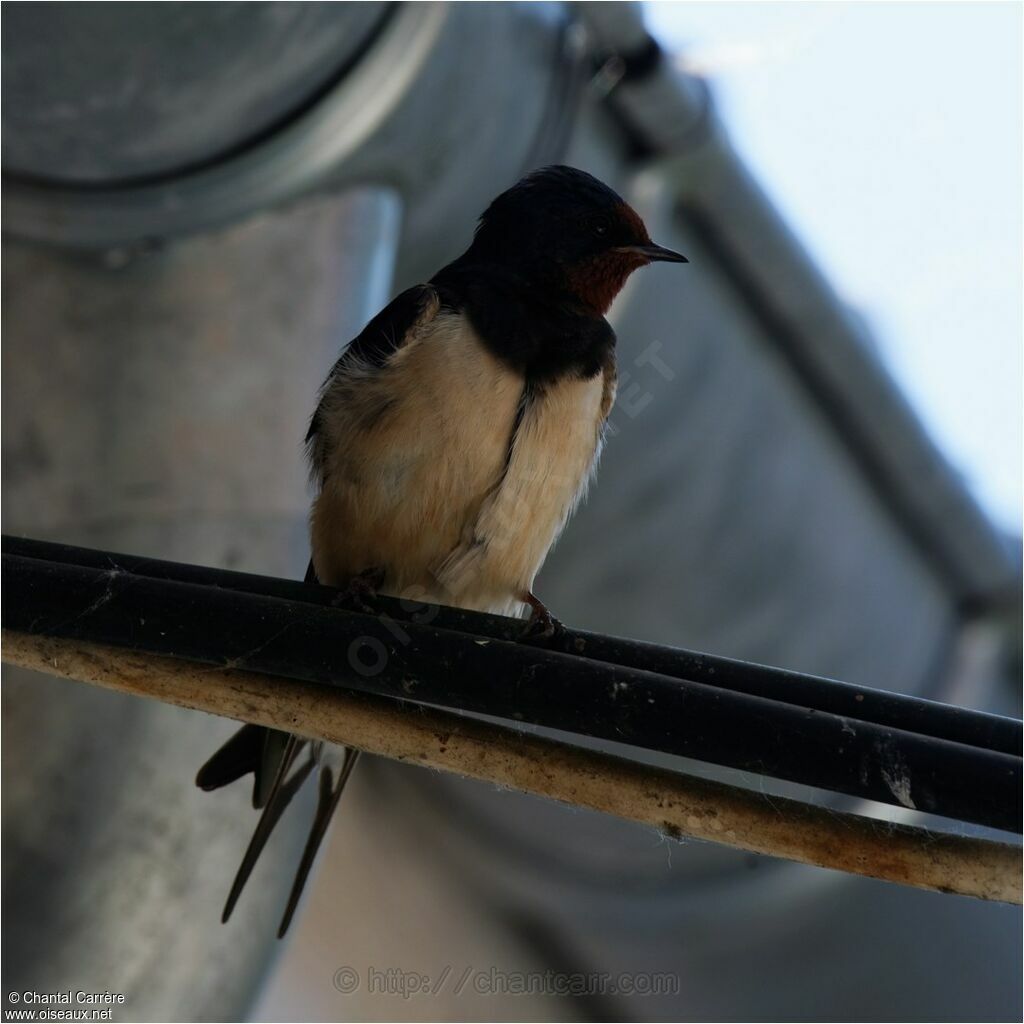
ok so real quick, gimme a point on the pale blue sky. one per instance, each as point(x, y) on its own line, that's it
point(889, 135)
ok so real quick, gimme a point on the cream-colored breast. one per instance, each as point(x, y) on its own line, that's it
point(553, 456)
point(413, 450)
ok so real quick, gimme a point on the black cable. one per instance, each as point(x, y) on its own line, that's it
point(512, 681)
point(860, 703)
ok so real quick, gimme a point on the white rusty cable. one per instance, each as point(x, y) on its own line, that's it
point(678, 805)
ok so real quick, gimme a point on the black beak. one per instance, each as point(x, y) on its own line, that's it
point(654, 253)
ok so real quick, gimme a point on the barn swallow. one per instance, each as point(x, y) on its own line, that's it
point(454, 437)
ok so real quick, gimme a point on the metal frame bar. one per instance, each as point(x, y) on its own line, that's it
point(464, 662)
point(676, 804)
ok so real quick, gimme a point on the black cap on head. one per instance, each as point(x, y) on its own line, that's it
point(559, 217)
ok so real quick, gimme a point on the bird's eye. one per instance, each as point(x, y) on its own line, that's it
point(599, 226)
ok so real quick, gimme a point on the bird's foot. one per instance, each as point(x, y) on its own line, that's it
point(542, 625)
point(360, 591)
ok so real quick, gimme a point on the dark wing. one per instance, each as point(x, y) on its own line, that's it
point(268, 753)
point(239, 756)
point(254, 748)
point(380, 339)
point(271, 755)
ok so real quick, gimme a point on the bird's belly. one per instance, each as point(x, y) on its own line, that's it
point(415, 452)
point(555, 449)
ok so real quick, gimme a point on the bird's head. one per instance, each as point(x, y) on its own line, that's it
point(560, 228)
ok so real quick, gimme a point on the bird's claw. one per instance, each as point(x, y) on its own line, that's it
point(541, 625)
point(360, 591)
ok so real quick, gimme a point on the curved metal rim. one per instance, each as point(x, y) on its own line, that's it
point(294, 158)
point(328, 80)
